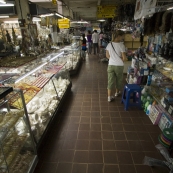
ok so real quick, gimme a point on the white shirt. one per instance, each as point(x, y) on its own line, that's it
point(95, 37)
point(115, 57)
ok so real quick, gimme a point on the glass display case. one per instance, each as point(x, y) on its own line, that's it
point(44, 88)
point(18, 151)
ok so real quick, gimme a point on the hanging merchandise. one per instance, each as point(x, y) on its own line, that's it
point(144, 8)
point(158, 21)
point(166, 22)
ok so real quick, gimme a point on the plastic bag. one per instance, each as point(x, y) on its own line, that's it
point(153, 162)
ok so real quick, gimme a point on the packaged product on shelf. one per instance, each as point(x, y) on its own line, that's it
point(165, 121)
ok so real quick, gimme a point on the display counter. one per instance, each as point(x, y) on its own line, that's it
point(18, 152)
point(44, 88)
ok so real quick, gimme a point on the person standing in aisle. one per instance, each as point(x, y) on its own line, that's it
point(100, 38)
point(115, 52)
point(95, 40)
point(83, 47)
point(89, 37)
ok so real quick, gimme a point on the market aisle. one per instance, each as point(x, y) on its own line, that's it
point(94, 136)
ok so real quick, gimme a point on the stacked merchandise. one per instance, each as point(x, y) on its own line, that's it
point(141, 68)
point(166, 138)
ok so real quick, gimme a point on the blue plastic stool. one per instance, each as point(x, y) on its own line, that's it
point(130, 91)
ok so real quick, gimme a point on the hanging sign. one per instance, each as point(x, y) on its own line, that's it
point(106, 11)
point(54, 2)
point(144, 8)
point(64, 23)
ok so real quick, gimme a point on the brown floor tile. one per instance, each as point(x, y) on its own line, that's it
point(111, 169)
point(124, 157)
point(96, 127)
point(140, 128)
point(115, 108)
point(137, 121)
point(154, 137)
point(69, 144)
point(81, 157)
point(94, 108)
point(105, 120)
point(148, 146)
point(114, 114)
point(110, 157)
point(159, 170)
point(95, 114)
point(129, 128)
point(84, 127)
point(127, 168)
point(85, 120)
point(104, 114)
point(126, 120)
point(86, 114)
point(48, 167)
point(66, 156)
point(82, 144)
point(75, 113)
point(135, 146)
point(131, 136)
point(71, 135)
point(83, 135)
point(95, 120)
point(79, 168)
point(138, 157)
point(95, 157)
point(108, 145)
point(122, 145)
point(106, 127)
point(116, 120)
point(143, 169)
point(107, 135)
point(153, 129)
point(119, 136)
point(73, 126)
point(117, 127)
point(95, 145)
point(93, 168)
point(95, 135)
point(64, 168)
point(144, 136)
point(74, 119)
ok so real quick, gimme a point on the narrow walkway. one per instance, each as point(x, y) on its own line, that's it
point(94, 136)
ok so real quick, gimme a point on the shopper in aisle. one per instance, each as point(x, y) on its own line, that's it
point(100, 38)
point(89, 39)
point(83, 42)
point(95, 40)
point(115, 52)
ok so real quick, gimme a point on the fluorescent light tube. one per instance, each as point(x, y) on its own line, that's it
point(57, 56)
point(170, 8)
point(31, 72)
point(3, 2)
point(6, 5)
point(45, 15)
point(59, 15)
point(4, 16)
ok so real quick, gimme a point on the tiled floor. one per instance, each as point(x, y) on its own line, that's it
point(94, 136)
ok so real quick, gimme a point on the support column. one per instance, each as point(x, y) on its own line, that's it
point(22, 7)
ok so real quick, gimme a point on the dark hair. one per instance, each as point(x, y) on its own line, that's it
point(83, 35)
point(95, 30)
point(89, 32)
point(117, 33)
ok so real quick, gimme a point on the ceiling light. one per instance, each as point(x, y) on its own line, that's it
point(59, 15)
point(4, 16)
point(170, 8)
point(12, 21)
point(3, 2)
point(101, 20)
point(36, 19)
point(45, 15)
point(6, 5)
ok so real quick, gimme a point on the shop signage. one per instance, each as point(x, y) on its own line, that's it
point(106, 11)
point(144, 8)
point(61, 26)
point(64, 23)
point(54, 2)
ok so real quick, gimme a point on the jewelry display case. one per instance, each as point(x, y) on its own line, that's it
point(44, 89)
point(18, 152)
